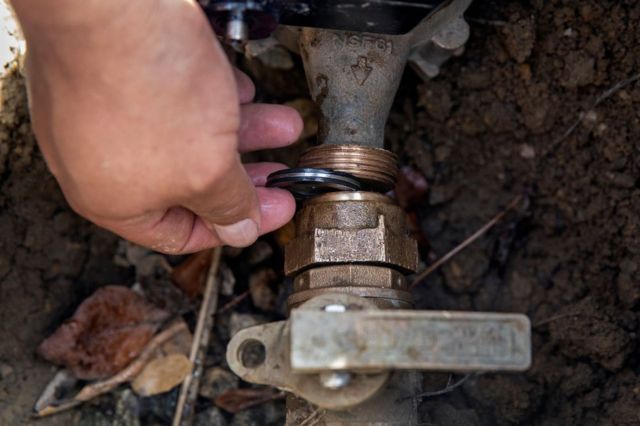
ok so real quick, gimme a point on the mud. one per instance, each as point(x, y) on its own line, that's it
point(541, 105)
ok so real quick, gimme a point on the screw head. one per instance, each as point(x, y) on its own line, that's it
point(335, 380)
point(335, 307)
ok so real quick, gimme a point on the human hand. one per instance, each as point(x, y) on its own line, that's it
point(141, 120)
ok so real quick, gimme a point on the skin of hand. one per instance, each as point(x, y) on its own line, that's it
point(142, 120)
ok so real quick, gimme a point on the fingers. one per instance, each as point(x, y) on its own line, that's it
point(228, 204)
point(246, 88)
point(180, 231)
point(268, 126)
point(259, 172)
point(277, 208)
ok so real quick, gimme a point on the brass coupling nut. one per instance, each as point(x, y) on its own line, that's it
point(351, 228)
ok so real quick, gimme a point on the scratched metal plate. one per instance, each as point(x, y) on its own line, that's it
point(426, 340)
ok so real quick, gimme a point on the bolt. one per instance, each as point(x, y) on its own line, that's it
point(237, 30)
point(335, 380)
point(335, 307)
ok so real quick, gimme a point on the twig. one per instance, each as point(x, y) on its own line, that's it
point(603, 97)
point(449, 388)
point(189, 391)
point(562, 316)
point(129, 373)
point(236, 400)
point(233, 302)
point(435, 265)
point(313, 418)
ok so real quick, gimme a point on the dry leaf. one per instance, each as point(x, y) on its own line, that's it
point(236, 400)
point(162, 374)
point(180, 343)
point(411, 188)
point(108, 330)
point(191, 275)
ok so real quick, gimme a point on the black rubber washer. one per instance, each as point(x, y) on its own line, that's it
point(305, 182)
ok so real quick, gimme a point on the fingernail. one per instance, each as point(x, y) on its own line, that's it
point(239, 234)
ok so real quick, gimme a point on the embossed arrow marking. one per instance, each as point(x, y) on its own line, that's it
point(361, 70)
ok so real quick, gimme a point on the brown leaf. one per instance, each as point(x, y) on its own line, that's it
point(191, 275)
point(162, 374)
point(411, 187)
point(236, 400)
point(108, 330)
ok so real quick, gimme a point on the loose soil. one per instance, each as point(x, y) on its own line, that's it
point(540, 104)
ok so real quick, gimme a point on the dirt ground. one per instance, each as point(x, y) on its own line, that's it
point(544, 103)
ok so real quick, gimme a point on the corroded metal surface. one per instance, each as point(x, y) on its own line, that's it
point(275, 369)
point(354, 76)
point(413, 340)
point(375, 168)
point(350, 275)
point(385, 286)
point(370, 230)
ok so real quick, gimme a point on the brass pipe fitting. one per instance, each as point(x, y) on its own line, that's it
point(376, 168)
point(355, 243)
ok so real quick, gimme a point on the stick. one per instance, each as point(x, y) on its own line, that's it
point(129, 373)
point(603, 97)
point(446, 389)
point(562, 316)
point(189, 391)
point(233, 302)
point(466, 242)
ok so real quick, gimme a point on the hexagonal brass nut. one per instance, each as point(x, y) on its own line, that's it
point(369, 230)
point(350, 275)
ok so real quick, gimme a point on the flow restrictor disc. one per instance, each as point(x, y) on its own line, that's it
point(308, 182)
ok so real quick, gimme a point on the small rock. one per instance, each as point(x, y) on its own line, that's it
point(622, 180)
point(228, 280)
point(161, 407)
point(5, 370)
point(464, 273)
point(262, 295)
point(521, 286)
point(527, 151)
point(162, 374)
point(519, 37)
point(126, 410)
point(216, 381)
point(212, 416)
point(579, 70)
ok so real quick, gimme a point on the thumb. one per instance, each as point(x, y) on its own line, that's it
point(228, 205)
